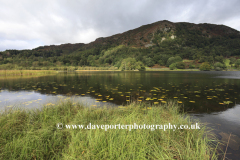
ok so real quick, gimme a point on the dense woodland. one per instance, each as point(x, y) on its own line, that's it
point(168, 46)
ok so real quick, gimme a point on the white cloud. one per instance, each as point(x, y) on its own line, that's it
point(16, 44)
point(27, 23)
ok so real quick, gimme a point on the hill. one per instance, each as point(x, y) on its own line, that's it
point(148, 45)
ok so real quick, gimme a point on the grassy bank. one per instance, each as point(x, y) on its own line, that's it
point(34, 135)
point(61, 68)
point(25, 72)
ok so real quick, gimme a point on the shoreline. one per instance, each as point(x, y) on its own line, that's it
point(6, 73)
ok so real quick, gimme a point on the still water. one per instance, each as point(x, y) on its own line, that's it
point(212, 97)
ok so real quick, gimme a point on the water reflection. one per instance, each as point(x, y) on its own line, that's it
point(226, 125)
point(212, 97)
point(33, 99)
point(199, 92)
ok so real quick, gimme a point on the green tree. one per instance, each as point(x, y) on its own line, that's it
point(173, 66)
point(45, 63)
point(232, 60)
point(205, 66)
point(90, 60)
point(163, 59)
point(128, 64)
point(219, 59)
point(180, 65)
point(219, 66)
point(140, 66)
point(203, 59)
point(149, 62)
point(118, 64)
point(237, 63)
point(173, 60)
point(35, 63)
point(191, 66)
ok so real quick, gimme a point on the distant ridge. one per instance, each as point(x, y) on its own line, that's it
point(143, 35)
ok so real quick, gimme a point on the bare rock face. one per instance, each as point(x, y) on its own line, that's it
point(148, 45)
point(173, 37)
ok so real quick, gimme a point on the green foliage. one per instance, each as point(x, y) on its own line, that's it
point(237, 63)
point(205, 66)
point(232, 60)
point(149, 62)
point(131, 64)
point(140, 66)
point(219, 59)
point(118, 64)
point(173, 60)
point(190, 43)
point(191, 66)
point(173, 66)
point(7, 66)
point(208, 59)
point(180, 65)
point(163, 58)
point(219, 66)
point(177, 65)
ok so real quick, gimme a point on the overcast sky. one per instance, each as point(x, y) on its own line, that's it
point(27, 24)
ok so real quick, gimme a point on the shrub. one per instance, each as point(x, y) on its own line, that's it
point(191, 66)
point(161, 63)
point(219, 66)
point(237, 63)
point(203, 59)
point(172, 66)
point(180, 65)
point(140, 66)
point(117, 64)
point(206, 59)
point(172, 60)
point(205, 66)
point(219, 59)
point(218, 69)
point(149, 62)
point(197, 66)
point(232, 60)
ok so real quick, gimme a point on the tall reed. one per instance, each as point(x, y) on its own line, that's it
point(32, 134)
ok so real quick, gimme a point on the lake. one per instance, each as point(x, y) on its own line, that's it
point(212, 97)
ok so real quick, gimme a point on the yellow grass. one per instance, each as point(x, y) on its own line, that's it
point(25, 72)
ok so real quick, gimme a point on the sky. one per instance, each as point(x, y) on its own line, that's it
point(27, 24)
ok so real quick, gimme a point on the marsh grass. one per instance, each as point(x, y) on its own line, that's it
point(25, 72)
point(33, 134)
